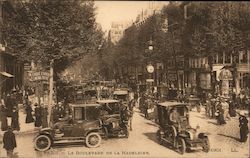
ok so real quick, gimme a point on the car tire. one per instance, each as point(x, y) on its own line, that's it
point(181, 146)
point(159, 137)
point(126, 133)
point(93, 140)
point(206, 145)
point(42, 142)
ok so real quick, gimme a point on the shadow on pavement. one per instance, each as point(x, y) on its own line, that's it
point(237, 139)
point(152, 124)
point(215, 123)
point(151, 136)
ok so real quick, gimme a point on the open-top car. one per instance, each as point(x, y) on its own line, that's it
point(175, 128)
point(83, 124)
point(115, 119)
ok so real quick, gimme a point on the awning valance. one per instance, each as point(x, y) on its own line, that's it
point(6, 74)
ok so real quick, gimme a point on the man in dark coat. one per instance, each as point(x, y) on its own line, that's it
point(9, 142)
point(243, 127)
point(9, 105)
point(38, 115)
point(4, 122)
point(15, 119)
point(45, 117)
point(29, 117)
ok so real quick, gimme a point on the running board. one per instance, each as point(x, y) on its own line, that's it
point(68, 141)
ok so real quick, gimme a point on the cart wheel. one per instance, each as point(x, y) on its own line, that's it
point(206, 145)
point(159, 137)
point(181, 146)
point(93, 140)
point(42, 143)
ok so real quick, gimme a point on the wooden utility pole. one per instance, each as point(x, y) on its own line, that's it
point(51, 86)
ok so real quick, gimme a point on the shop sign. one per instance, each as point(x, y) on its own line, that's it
point(149, 80)
point(40, 76)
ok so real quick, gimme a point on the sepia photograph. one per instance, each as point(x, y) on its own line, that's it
point(124, 79)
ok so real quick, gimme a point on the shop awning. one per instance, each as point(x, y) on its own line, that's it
point(6, 74)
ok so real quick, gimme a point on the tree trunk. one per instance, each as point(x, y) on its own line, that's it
point(51, 90)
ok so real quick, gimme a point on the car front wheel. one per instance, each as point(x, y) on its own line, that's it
point(181, 146)
point(206, 145)
point(42, 143)
point(93, 140)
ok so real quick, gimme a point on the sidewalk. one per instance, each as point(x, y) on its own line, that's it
point(25, 128)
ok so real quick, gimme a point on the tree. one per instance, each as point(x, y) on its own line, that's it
point(52, 32)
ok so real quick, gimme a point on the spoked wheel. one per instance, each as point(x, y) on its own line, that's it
point(181, 146)
point(42, 143)
point(206, 145)
point(93, 140)
point(126, 132)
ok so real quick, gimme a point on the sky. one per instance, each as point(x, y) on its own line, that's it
point(109, 11)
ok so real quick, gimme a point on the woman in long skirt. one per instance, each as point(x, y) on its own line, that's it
point(15, 119)
point(29, 117)
point(4, 123)
point(38, 116)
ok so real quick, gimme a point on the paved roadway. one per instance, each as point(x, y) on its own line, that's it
point(142, 143)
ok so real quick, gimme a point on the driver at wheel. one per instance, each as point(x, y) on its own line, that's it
point(175, 118)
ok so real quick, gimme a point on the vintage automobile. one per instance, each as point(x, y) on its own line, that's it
point(121, 94)
point(84, 125)
point(179, 135)
point(193, 102)
point(115, 123)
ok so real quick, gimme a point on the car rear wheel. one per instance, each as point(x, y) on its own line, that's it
point(181, 146)
point(206, 145)
point(93, 140)
point(159, 137)
point(42, 142)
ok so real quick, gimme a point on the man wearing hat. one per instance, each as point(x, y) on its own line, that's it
point(243, 126)
point(9, 142)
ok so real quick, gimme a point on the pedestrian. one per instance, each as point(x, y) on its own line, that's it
point(55, 115)
point(29, 116)
point(243, 127)
point(4, 122)
point(9, 105)
point(220, 115)
point(215, 103)
point(225, 107)
point(45, 117)
point(60, 108)
point(15, 119)
point(232, 110)
point(131, 106)
point(9, 142)
point(38, 115)
point(208, 107)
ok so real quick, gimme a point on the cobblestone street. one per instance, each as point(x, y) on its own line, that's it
point(142, 142)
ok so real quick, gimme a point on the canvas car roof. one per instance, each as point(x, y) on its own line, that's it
point(172, 103)
point(84, 105)
point(120, 92)
point(107, 101)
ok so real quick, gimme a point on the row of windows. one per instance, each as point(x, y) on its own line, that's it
point(242, 57)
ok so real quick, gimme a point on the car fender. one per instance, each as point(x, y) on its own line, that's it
point(202, 135)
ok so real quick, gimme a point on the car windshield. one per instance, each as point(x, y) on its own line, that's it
point(121, 97)
point(114, 108)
